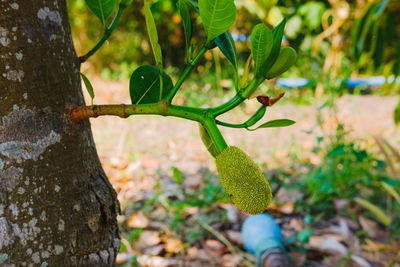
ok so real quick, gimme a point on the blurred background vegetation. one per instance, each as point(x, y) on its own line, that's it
point(345, 49)
point(335, 40)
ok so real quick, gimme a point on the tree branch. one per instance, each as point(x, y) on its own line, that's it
point(80, 113)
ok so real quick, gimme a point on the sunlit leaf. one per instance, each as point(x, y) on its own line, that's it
point(88, 86)
point(261, 41)
point(144, 85)
point(101, 8)
point(217, 16)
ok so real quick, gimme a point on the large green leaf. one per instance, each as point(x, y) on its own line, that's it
point(261, 41)
point(152, 31)
point(101, 8)
point(217, 16)
point(277, 34)
point(144, 85)
point(286, 59)
point(187, 25)
point(274, 123)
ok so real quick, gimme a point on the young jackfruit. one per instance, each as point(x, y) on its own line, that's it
point(243, 181)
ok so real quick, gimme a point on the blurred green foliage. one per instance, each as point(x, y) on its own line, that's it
point(334, 40)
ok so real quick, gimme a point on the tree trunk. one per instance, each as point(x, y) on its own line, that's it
point(57, 207)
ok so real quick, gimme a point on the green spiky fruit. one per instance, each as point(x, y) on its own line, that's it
point(243, 181)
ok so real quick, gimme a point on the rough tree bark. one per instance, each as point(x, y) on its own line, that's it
point(57, 207)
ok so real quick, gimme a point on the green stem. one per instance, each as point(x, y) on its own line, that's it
point(185, 73)
point(237, 99)
point(106, 35)
point(242, 125)
point(212, 129)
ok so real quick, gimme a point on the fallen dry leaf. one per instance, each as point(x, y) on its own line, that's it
point(138, 220)
point(214, 246)
point(327, 244)
point(156, 261)
point(148, 239)
point(172, 244)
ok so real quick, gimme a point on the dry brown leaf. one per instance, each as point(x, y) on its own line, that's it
point(214, 246)
point(123, 258)
point(327, 244)
point(155, 250)
point(172, 244)
point(148, 239)
point(138, 220)
point(156, 261)
point(230, 260)
point(286, 208)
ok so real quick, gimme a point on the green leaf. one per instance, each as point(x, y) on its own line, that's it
point(227, 46)
point(363, 25)
point(152, 31)
point(101, 8)
point(217, 16)
point(88, 86)
point(187, 25)
point(208, 141)
point(286, 59)
point(378, 212)
point(274, 123)
point(379, 48)
point(256, 116)
point(277, 34)
point(261, 41)
point(144, 85)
